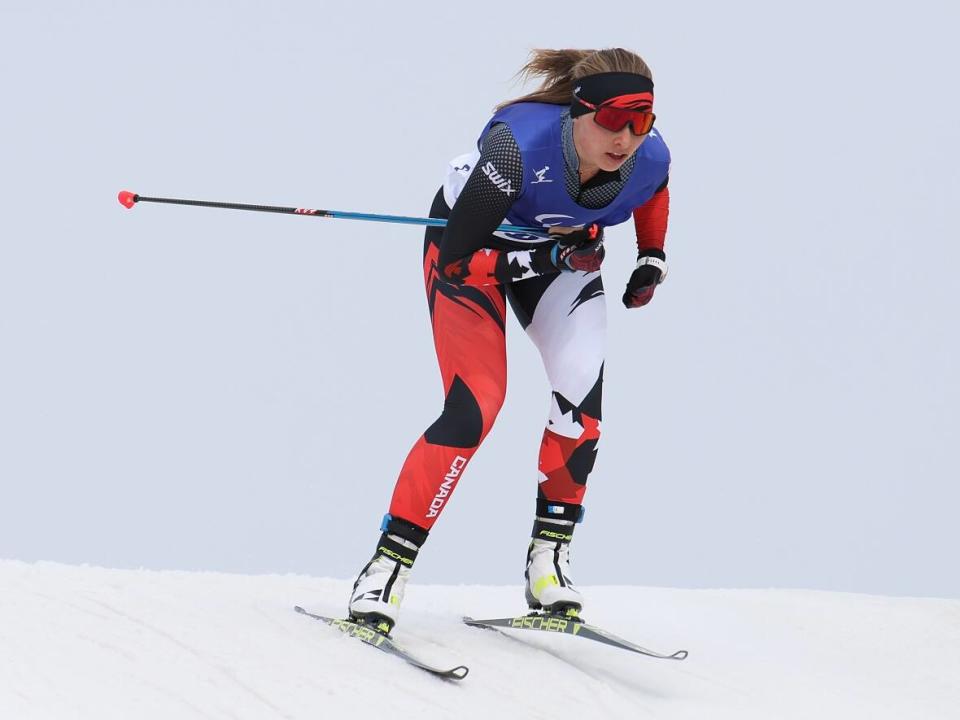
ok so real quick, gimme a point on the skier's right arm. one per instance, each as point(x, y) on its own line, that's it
point(465, 255)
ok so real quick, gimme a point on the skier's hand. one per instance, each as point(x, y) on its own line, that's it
point(578, 248)
point(650, 271)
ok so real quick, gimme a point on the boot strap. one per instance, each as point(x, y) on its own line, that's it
point(551, 531)
point(388, 547)
point(405, 529)
point(553, 510)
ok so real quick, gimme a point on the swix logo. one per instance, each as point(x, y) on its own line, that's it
point(541, 176)
point(446, 487)
point(496, 178)
point(462, 168)
point(305, 211)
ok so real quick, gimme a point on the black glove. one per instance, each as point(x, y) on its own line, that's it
point(650, 271)
point(581, 249)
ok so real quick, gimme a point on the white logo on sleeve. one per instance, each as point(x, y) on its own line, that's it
point(496, 178)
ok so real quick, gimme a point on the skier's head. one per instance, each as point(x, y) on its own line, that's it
point(562, 70)
point(610, 93)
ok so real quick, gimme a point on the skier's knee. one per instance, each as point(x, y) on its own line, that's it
point(467, 417)
point(575, 381)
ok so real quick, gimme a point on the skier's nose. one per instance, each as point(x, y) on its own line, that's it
point(622, 139)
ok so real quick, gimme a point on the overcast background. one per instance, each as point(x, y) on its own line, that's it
point(215, 390)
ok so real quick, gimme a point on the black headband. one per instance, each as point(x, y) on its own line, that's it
point(599, 88)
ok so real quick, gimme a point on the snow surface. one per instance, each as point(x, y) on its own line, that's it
point(85, 642)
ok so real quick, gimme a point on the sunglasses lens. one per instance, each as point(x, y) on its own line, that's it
point(612, 118)
point(643, 123)
point(615, 119)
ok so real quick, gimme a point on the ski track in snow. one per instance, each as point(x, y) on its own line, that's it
point(84, 642)
point(225, 671)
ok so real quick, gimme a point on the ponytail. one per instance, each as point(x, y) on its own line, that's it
point(560, 70)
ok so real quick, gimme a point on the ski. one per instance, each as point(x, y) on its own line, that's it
point(384, 642)
point(546, 622)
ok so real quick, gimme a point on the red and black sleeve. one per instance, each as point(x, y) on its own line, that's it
point(466, 253)
point(650, 221)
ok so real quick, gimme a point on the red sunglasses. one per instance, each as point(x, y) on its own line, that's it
point(616, 119)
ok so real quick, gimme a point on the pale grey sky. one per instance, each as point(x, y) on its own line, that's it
point(203, 389)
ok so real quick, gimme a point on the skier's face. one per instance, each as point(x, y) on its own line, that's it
point(601, 148)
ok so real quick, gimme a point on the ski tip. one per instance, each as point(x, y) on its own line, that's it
point(127, 198)
point(679, 655)
point(459, 672)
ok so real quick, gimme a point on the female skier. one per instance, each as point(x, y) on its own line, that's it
point(575, 156)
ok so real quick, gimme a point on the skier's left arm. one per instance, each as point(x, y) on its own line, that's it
point(650, 221)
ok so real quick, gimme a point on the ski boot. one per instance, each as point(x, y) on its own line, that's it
point(377, 593)
point(548, 586)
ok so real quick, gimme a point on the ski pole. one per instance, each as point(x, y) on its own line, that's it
point(129, 199)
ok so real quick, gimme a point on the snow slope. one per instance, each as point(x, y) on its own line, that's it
point(84, 642)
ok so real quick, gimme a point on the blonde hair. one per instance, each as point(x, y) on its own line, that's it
point(560, 69)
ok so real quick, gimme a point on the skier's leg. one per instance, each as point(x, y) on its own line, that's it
point(565, 316)
point(468, 332)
